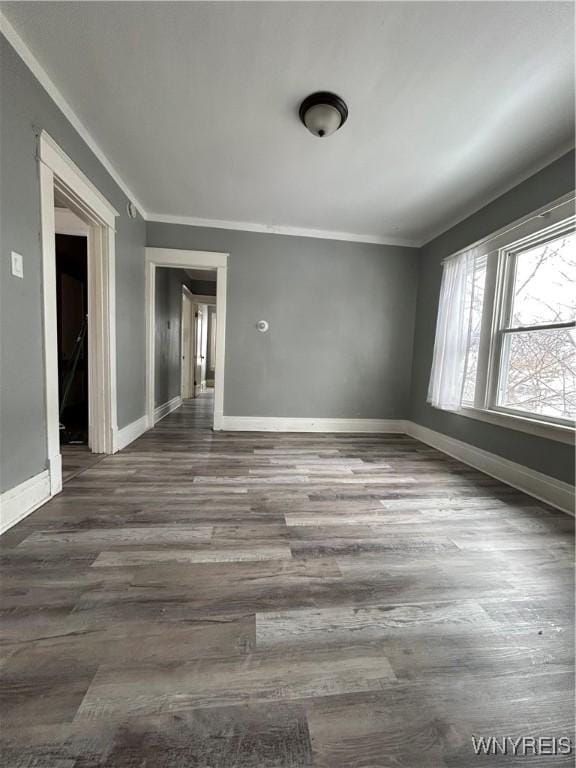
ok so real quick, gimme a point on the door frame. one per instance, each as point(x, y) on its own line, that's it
point(200, 334)
point(67, 223)
point(205, 302)
point(211, 311)
point(59, 173)
point(181, 259)
point(186, 296)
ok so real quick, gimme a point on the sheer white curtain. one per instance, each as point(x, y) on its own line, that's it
point(452, 331)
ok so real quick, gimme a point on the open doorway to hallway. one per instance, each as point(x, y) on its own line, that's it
point(198, 333)
point(185, 324)
point(78, 307)
point(202, 277)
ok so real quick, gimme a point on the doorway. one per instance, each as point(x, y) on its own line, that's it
point(198, 354)
point(181, 338)
point(201, 351)
point(72, 314)
point(187, 344)
point(211, 347)
point(198, 320)
point(202, 269)
point(78, 300)
point(71, 247)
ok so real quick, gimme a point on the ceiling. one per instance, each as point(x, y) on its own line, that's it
point(196, 105)
point(206, 275)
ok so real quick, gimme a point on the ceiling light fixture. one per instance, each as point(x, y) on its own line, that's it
point(323, 113)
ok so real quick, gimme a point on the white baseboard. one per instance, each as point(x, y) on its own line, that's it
point(166, 408)
point(129, 433)
point(19, 502)
point(55, 471)
point(287, 424)
point(543, 487)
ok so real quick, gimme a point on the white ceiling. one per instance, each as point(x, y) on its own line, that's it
point(195, 104)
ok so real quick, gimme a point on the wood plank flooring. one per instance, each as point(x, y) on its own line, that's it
point(76, 459)
point(243, 600)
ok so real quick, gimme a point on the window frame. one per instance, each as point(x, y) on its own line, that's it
point(501, 251)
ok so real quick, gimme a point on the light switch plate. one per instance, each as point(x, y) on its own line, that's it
point(17, 264)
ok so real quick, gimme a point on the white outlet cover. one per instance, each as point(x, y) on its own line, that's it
point(17, 264)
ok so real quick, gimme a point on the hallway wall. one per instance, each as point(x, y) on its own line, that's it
point(168, 362)
point(25, 109)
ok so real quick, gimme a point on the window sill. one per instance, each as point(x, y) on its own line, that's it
point(558, 432)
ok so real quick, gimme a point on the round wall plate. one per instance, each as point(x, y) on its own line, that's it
point(262, 326)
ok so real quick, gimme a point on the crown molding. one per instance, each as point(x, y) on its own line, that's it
point(50, 87)
point(278, 229)
point(55, 94)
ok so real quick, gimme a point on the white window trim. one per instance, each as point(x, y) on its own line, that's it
point(497, 248)
point(558, 432)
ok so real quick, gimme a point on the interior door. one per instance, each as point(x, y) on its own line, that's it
point(187, 347)
point(201, 338)
point(204, 348)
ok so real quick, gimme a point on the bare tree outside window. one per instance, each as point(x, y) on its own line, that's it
point(538, 365)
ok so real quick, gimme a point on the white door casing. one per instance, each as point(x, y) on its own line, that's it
point(58, 172)
point(211, 340)
point(201, 334)
point(187, 344)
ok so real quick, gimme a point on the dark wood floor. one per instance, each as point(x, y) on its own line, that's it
point(253, 600)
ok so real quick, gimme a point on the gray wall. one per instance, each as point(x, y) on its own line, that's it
point(341, 322)
point(168, 362)
point(24, 109)
point(552, 458)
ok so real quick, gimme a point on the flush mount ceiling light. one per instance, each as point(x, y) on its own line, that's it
point(323, 113)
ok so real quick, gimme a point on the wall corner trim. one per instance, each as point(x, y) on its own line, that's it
point(543, 487)
point(18, 502)
point(166, 408)
point(290, 424)
point(129, 433)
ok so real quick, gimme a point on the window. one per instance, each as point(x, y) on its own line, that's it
point(537, 373)
point(505, 338)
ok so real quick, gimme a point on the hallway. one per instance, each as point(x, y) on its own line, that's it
point(265, 600)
